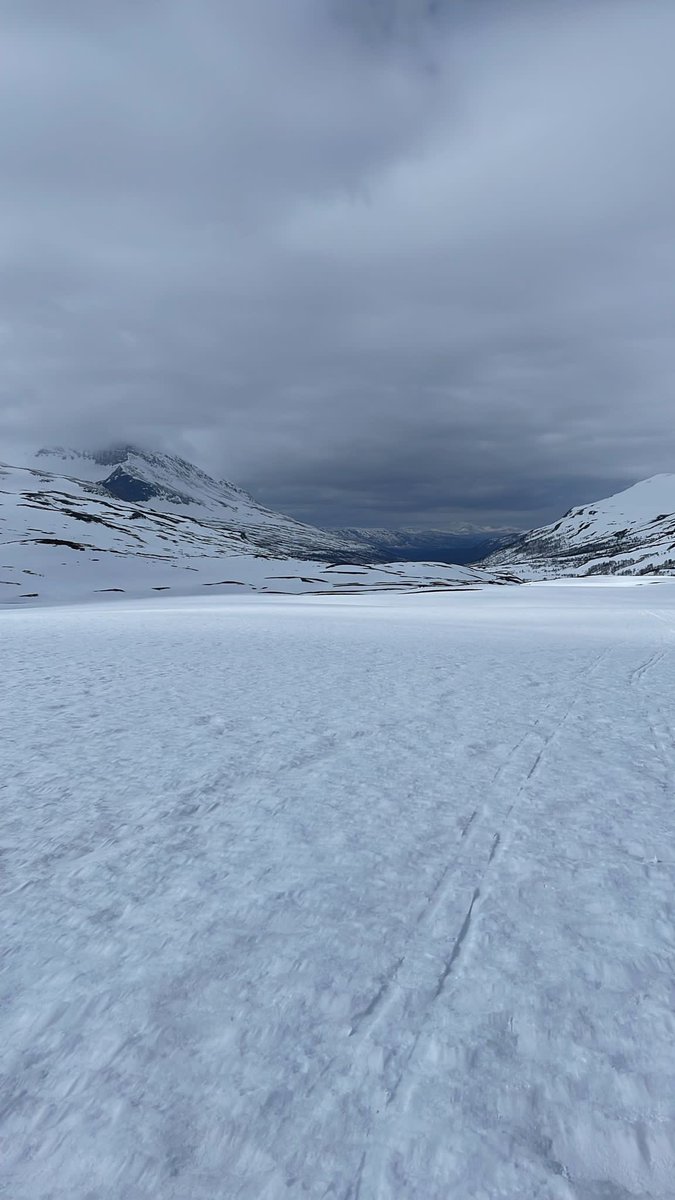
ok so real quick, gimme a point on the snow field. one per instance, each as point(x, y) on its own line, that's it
point(365, 897)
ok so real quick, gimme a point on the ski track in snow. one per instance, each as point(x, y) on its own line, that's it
point(362, 898)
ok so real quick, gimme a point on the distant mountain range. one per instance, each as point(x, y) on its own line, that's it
point(76, 525)
point(629, 533)
point(465, 544)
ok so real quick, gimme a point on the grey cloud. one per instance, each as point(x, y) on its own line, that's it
point(383, 263)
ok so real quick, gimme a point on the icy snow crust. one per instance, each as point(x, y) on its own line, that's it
point(352, 897)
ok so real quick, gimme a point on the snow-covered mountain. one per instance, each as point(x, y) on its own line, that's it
point(130, 473)
point(64, 538)
point(629, 533)
point(167, 483)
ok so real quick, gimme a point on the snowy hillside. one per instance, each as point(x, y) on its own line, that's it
point(129, 473)
point(64, 539)
point(630, 533)
point(167, 483)
point(368, 898)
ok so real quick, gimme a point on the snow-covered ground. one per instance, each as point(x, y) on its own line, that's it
point(362, 897)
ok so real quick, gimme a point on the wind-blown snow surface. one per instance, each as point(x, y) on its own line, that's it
point(368, 897)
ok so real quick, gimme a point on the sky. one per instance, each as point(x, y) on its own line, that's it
point(381, 262)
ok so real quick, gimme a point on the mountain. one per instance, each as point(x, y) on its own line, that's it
point(629, 533)
point(63, 538)
point(169, 484)
point(465, 544)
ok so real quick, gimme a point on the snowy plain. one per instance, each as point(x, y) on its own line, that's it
point(363, 897)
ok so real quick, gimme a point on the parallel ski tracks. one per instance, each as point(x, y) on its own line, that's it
point(406, 994)
point(661, 727)
point(508, 787)
point(480, 842)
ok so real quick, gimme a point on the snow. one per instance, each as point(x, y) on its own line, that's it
point(635, 506)
point(630, 532)
point(323, 896)
point(598, 581)
point(181, 488)
point(642, 501)
point(70, 542)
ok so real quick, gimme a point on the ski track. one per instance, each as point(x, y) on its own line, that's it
point(648, 700)
point(513, 777)
point(369, 900)
point(477, 826)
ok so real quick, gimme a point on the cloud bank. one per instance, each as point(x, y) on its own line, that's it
point(381, 263)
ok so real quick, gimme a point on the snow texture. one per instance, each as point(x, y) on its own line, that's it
point(366, 897)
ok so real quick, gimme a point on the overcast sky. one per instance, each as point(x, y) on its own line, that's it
point(382, 262)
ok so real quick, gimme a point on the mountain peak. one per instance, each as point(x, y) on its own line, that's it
point(167, 483)
point(114, 456)
point(120, 454)
point(138, 475)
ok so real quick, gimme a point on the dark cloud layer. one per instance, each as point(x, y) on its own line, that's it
point(381, 261)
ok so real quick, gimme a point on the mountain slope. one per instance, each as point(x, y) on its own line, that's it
point(64, 539)
point(629, 533)
point(169, 484)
